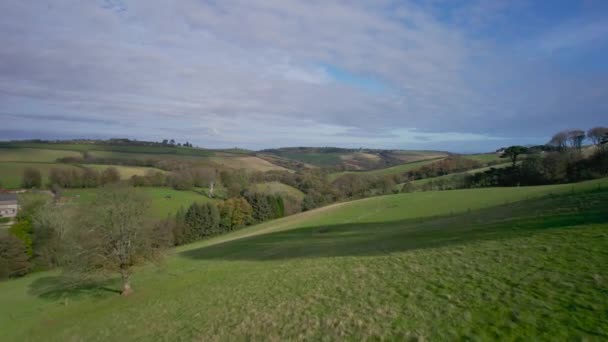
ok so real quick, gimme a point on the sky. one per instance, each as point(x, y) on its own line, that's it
point(462, 76)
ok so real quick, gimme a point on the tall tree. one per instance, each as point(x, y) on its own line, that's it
point(113, 236)
point(576, 137)
point(513, 152)
point(560, 140)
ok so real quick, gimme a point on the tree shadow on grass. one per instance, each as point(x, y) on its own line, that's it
point(367, 239)
point(63, 286)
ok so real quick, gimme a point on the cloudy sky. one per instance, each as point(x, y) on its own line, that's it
point(438, 74)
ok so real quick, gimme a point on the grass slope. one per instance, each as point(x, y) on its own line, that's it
point(174, 150)
point(382, 268)
point(393, 170)
point(423, 181)
point(164, 201)
point(34, 155)
point(276, 188)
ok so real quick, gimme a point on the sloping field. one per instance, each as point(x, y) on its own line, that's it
point(276, 188)
point(393, 170)
point(247, 163)
point(484, 157)
point(165, 201)
point(11, 173)
point(423, 181)
point(174, 150)
point(352, 159)
point(34, 155)
point(399, 267)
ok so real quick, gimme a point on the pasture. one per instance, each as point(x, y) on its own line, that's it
point(164, 201)
point(39, 155)
point(486, 264)
point(276, 188)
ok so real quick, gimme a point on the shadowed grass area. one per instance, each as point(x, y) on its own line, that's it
point(376, 238)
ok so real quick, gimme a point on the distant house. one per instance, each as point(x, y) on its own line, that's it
point(8, 205)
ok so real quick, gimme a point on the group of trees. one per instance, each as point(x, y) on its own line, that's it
point(70, 177)
point(566, 164)
point(203, 220)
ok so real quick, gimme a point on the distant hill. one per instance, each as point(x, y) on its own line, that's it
point(349, 159)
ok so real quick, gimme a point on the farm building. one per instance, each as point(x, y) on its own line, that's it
point(8, 205)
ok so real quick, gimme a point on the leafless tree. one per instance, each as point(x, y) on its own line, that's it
point(597, 135)
point(560, 140)
point(576, 137)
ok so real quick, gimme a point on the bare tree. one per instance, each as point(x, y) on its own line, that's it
point(576, 138)
point(597, 135)
point(112, 235)
point(560, 140)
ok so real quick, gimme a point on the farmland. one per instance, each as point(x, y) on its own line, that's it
point(397, 266)
point(164, 201)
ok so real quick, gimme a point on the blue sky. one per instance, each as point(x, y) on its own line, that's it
point(438, 74)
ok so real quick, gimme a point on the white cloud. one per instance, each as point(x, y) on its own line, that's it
point(250, 73)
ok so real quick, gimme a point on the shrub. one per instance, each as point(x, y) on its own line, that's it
point(14, 258)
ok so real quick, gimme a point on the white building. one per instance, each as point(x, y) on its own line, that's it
point(8, 205)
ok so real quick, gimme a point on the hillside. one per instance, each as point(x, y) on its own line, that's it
point(351, 159)
point(503, 263)
point(15, 156)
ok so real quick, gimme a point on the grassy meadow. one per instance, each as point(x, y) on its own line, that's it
point(276, 188)
point(523, 263)
point(164, 201)
point(34, 155)
point(484, 157)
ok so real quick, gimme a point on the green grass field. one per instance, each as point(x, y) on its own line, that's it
point(487, 264)
point(484, 157)
point(393, 170)
point(11, 173)
point(277, 188)
point(34, 155)
point(115, 148)
point(164, 201)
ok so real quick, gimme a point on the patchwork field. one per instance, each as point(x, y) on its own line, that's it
point(82, 147)
point(487, 264)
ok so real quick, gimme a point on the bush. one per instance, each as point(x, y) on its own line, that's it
point(14, 258)
point(31, 178)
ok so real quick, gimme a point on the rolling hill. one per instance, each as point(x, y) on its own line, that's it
point(351, 159)
point(484, 264)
